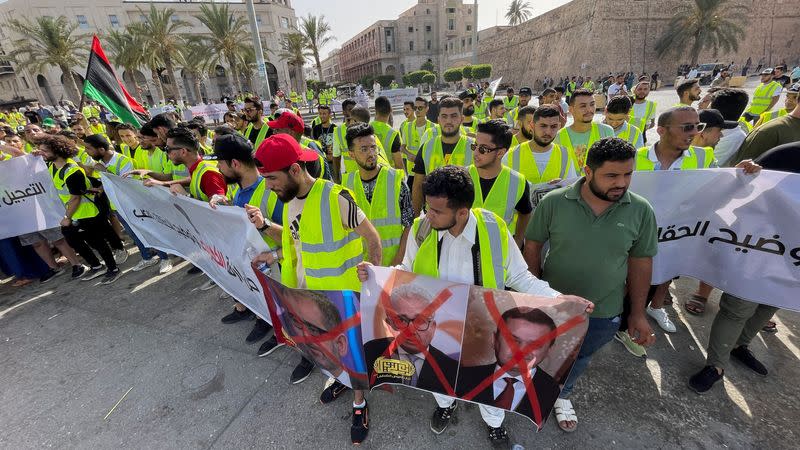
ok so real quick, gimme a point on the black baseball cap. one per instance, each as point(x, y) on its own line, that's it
point(526, 91)
point(229, 147)
point(713, 119)
point(464, 94)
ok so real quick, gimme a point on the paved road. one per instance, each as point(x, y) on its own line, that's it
point(70, 351)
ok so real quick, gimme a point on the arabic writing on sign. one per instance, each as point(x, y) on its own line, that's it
point(673, 234)
point(20, 195)
point(216, 255)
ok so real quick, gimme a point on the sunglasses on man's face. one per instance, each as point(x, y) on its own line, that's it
point(482, 149)
point(689, 127)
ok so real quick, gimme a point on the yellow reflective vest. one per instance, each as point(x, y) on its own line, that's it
point(492, 248)
point(520, 159)
point(384, 209)
point(434, 157)
point(699, 158)
point(194, 185)
point(762, 97)
point(502, 198)
point(86, 207)
point(641, 122)
point(329, 252)
point(262, 132)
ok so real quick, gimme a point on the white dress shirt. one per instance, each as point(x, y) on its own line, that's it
point(455, 261)
point(519, 387)
point(729, 144)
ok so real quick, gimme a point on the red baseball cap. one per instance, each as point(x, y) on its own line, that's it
point(280, 151)
point(285, 118)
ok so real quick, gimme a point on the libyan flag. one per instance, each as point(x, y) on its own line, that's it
point(102, 85)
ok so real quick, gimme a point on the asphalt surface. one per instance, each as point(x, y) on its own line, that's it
point(146, 363)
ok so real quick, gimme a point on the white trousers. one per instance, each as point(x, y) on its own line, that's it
point(491, 415)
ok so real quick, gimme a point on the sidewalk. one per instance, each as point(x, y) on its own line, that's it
point(71, 350)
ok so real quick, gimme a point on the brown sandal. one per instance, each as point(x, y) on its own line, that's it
point(696, 305)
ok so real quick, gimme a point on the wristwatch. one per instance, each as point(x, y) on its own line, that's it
point(266, 226)
point(274, 254)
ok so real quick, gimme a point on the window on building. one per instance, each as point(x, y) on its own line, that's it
point(469, 27)
point(388, 33)
point(451, 24)
point(284, 22)
point(410, 29)
point(450, 45)
point(451, 10)
point(258, 19)
point(25, 82)
point(411, 46)
point(388, 47)
point(82, 22)
point(427, 28)
point(463, 43)
point(114, 20)
point(427, 11)
point(469, 42)
point(428, 45)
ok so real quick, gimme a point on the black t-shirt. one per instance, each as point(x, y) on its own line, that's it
point(323, 134)
point(783, 79)
point(419, 162)
point(785, 158)
point(433, 112)
point(254, 134)
point(524, 205)
point(32, 117)
point(396, 144)
point(76, 183)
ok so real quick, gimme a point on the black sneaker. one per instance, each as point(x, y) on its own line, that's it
point(93, 273)
point(332, 392)
point(260, 330)
point(194, 270)
point(498, 437)
point(78, 271)
point(238, 316)
point(746, 357)
point(702, 381)
point(360, 427)
point(302, 371)
point(441, 418)
point(111, 276)
point(49, 275)
point(269, 346)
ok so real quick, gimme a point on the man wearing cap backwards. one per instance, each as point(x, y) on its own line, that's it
point(319, 245)
point(287, 122)
point(677, 128)
point(234, 156)
point(512, 115)
point(765, 96)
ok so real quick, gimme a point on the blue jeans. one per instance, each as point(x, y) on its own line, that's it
point(600, 333)
point(145, 252)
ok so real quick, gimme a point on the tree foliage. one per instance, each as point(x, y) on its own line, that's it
point(453, 75)
point(518, 11)
point(481, 71)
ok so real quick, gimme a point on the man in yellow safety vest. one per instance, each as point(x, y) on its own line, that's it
point(789, 104)
point(616, 116)
point(412, 132)
point(765, 96)
point(578, 137)
point(643, 112)
point(257, 129)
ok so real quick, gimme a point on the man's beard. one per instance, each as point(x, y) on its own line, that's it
point(235, 179)
point(450, 133)
point(540, 142)
point(604, 195)
point(452, 224)
point(527, 134)
point(291, 191)
point(255, 119)
point(468, 111)
point(368, 165)
point(640, 97)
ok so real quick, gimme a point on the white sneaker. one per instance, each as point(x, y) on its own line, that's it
point(165, 266)
point(144, 264)
point(120, 256)
point(661, 317)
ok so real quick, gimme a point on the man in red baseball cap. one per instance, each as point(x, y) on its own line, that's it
point(287, 122)
point(319, 249)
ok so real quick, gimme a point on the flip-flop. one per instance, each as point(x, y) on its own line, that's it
point(770, 327)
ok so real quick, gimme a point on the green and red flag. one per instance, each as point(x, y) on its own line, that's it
point(102, 85)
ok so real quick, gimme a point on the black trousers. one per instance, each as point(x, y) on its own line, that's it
point(102, 203)
point(91, 234)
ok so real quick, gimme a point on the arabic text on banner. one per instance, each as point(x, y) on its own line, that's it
point(219, 241)
point(28, 200)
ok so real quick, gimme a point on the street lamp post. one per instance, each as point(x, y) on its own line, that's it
point(263, 89)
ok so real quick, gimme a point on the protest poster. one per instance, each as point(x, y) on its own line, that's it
point(220, 242)
point(324, 326)
point(736, 232)
point(398, 96)
point(28, 200)
point(502, 349)
point(210, 112)
point(492, 90)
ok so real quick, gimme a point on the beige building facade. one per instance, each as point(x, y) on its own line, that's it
point(275, 18)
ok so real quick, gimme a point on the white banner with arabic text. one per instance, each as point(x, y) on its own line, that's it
point(28, 200)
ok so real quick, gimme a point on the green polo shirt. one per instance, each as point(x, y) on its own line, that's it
point(589, 254)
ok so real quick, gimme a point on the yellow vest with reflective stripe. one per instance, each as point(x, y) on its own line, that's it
point(28, 147)
point(762, 97)
point(384, 210)
point(521, 159)
point(329, 252)
point(194, 185)
point(630, 133)
point(512, 116)
point(266, 200)
point(769, 115)
point(262, 132)
point(316, 147)
point(4, 156)
point(511, 104)
point(433, 155)
point(641, 122)
point(122, 161)
point(385, 134)
point(507, 190)
point(492, 241)
point(699, 158)
point(86, 207)
point(564, 141)
point(350, 164)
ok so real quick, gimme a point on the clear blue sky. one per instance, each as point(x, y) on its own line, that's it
point(348, 17)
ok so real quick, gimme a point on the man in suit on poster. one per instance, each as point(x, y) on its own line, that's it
point(407, 363)
point(508, 391)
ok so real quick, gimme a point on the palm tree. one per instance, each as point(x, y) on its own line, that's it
point(125, 52)
point(317, 33)
point(708, 24)
point(294, 52)
point(518, 12)
point(226, 39)
point(161, 34)
point(197, 63)
point(49, 41)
